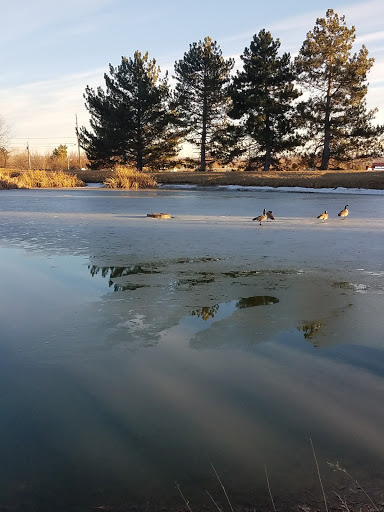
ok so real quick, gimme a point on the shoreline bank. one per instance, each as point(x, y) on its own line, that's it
point(309, 179)
point(371, 180)
point(277, 179)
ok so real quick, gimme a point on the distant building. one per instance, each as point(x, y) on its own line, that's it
point(376, 166)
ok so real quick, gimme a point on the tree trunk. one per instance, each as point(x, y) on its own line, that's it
point(139, 156)
point(268, 155)
point(139, 163)
point(203, 148)
point(203, 163)
point(327, 146)
point(267, 159)
point(327, 131)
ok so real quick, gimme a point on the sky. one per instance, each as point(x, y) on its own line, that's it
point(50, 51)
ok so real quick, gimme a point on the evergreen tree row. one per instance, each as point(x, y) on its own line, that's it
point(314, 105)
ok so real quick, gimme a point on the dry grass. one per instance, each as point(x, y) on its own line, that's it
point(123, 177)
point(304, 178)
point(357, 500)
point(309, 179)
point(6, 181)
point(38, 179)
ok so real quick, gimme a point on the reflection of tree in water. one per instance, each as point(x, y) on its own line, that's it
point(207, 312)
point(125, 287)
point(258, 300)
point(116, 272)
point(310, 329)
point(113, 272)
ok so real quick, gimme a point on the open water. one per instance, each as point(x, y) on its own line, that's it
point(139, 357)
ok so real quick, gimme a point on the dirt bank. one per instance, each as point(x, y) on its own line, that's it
point(309, 179)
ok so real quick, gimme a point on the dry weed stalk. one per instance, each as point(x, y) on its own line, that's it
point(182, 495)
point(214, 502)
point(343, 470)
point(344, 504)
point(269, 489)
point(222, 486)
point(318, 473)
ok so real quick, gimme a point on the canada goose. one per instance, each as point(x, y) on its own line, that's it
point(261, 218)
point(323, 216)
point(344, 212)
point(270, 215)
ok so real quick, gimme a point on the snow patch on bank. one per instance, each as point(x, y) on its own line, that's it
point(239, 188)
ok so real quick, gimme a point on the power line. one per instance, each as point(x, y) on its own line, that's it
point(17, 144)
point(49, 144)
point(42, 138)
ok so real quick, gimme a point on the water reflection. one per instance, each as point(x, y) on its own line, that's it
point(208, 312)
point(251, 273)
point(310, 329)
point(122, 414)
point(118, 272)
point(175, 278)
point(114, 272)
point(346, 285)
point(258, 300)
point(89, 424)
point(125, 287)
point(180, 283)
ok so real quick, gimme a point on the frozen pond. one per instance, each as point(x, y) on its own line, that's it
point(137, 352)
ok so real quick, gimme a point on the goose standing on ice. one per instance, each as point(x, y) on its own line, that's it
point(270, 215)
point(344, 212)
point(261, 218)
point(323, 216)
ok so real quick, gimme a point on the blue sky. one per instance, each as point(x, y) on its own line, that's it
point(50, 52)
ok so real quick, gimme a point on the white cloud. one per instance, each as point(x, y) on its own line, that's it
point(23, 18)
point(47, 109)
point(365, 15)
point(369, 38)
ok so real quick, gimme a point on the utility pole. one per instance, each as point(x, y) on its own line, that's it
point(78, 143)
point(29, 157)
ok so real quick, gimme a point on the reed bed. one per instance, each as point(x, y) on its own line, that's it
point(6, 182)
point(124, 177)
point(11, 179)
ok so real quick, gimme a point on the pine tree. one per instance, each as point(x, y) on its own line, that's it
point(61, 152)
point(131, 120)
point(337, 120)
point(263, 96)
point(202, 93)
